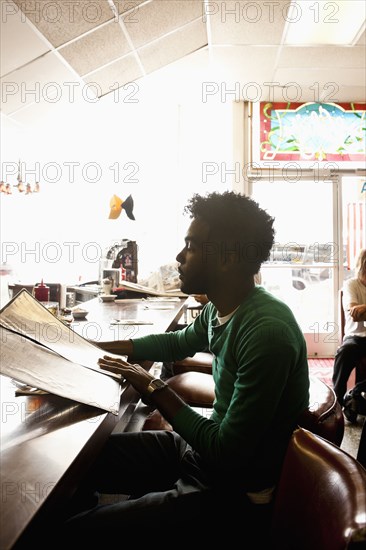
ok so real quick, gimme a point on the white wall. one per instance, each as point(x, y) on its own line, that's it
point(160, 147)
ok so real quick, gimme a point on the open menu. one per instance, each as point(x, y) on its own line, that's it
point(39, 350)
point(142, 289)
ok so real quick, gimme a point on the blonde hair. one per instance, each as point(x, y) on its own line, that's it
point(360, 267)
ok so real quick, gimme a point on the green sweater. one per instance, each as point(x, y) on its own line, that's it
point(261, 384)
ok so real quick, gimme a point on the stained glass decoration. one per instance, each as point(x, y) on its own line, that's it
point(312, 132)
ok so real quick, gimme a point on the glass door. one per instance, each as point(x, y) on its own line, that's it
point(303, 267)
point(353, 226)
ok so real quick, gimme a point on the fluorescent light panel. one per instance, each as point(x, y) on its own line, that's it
point(323, 22)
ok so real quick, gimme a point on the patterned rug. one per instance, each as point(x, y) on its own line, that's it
point(322, 369)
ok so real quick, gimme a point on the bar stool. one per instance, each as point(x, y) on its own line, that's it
point(320, 500)
point(323, 417)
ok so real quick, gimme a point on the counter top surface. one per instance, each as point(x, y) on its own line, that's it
point(48, 442)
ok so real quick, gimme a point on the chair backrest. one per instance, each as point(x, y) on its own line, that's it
point(361, 452)
point(320, 500)
point(341, 317)
point(324, 415)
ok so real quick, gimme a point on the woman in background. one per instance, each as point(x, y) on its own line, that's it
point(353, 347)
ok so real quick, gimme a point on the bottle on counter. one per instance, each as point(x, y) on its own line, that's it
point(106, 286)
point(42, 292)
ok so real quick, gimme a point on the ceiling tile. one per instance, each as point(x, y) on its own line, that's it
point(180, 80)
point(249, 67)
point(63, 21)
point(14, 29)
point(173, 46)
point(352, 93)
point(115, 75)
point(103, 45)
point(152, 20)
point(319, 84)
point(43, 79)
point(234, 22)
point(244, 52)
point(362, 40)
point(124, 6)
point(335, 56)
point(43, 112)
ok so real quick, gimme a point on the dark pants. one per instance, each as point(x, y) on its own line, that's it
point(170, 496)
point(348, 354)
point(361, 453)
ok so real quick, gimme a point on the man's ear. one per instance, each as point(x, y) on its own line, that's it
point(229, 262)
point(229, 255)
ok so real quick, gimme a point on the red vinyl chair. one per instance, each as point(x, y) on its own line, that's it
point(320, 501)
point(323, 416)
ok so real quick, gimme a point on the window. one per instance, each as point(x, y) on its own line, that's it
point(310, 135)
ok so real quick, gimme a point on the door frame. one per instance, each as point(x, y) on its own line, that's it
point(320, 344)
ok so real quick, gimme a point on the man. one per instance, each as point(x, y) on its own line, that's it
point(353, 347)
point(231, 461)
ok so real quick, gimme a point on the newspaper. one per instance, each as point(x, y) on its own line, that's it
point(164, 282)
point(39, 350)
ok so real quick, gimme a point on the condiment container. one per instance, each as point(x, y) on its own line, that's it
point(42, 292)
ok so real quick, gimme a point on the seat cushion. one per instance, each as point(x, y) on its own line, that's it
point(324, 415)
point(200, 362)
point(196, 388)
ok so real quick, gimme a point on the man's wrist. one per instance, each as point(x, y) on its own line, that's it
point(155, 385)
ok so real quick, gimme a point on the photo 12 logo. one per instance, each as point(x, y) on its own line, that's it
point(271, 12)
point(71, 171)
point(71, 12)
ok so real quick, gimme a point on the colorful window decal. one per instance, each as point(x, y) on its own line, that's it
point(313, 132)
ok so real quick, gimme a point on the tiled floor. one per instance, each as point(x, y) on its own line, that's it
point(352, 434)
point(323, 369)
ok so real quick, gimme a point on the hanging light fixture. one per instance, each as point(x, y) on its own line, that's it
point(22, 187)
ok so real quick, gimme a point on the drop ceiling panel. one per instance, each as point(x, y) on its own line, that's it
point(249, 23)
point(103, 45)
point(131, 6)
point(115, 75)
point(180, 80)
point(154, 19)
point(173, 46)
point(15, 30)
point(39, 113)
point(44, 79)
point(333, 56)
point(362, 40)
point(320, 84)
point(60, 22)
point(244, 64)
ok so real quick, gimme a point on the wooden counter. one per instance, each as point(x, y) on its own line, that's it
point(48, 442)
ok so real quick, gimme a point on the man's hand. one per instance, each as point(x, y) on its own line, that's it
point(358, 313)
point(136, 375)
point(167, 401)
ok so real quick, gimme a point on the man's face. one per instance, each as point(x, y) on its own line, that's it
point(194, 263)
